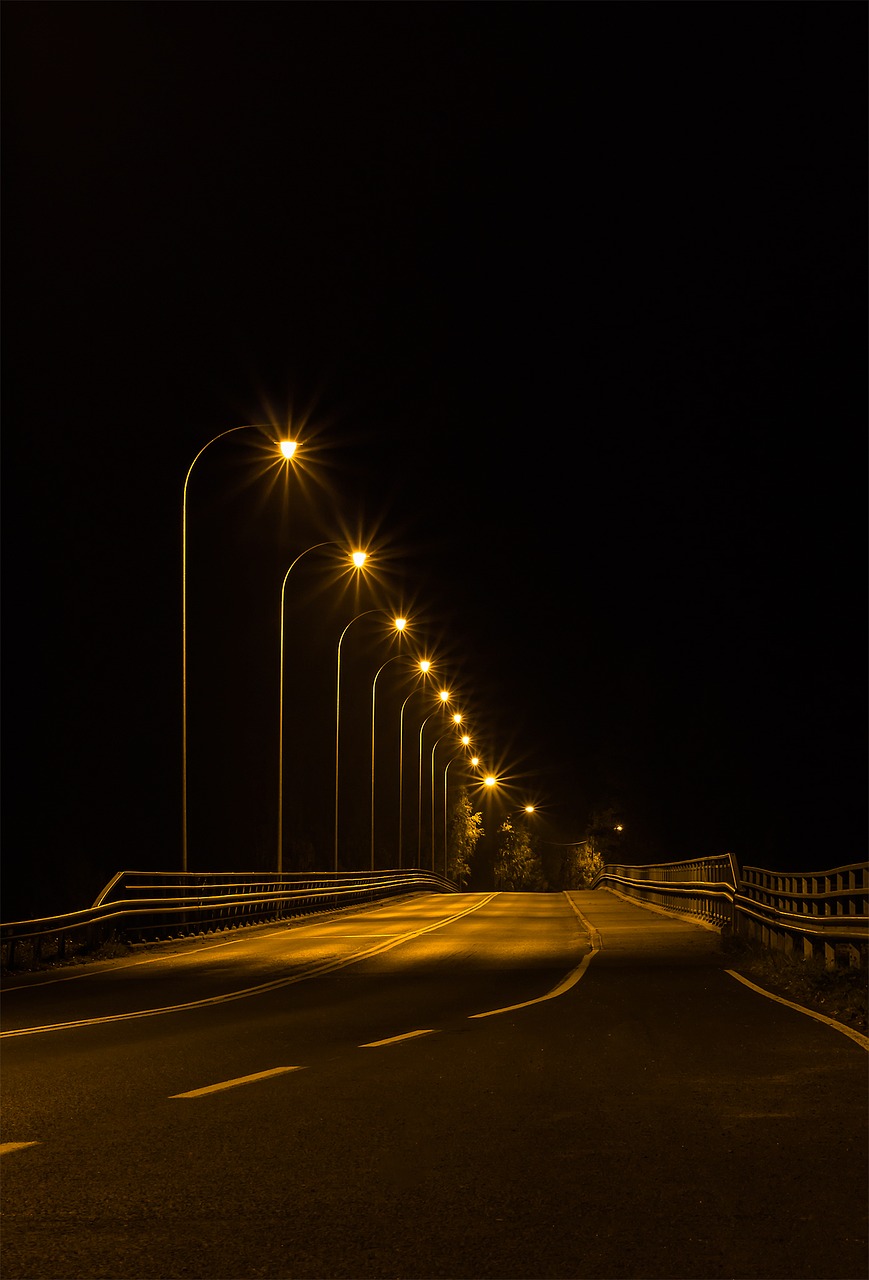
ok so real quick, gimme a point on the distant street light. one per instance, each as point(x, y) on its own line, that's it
point(466, 741)
point(425, 668)
point(422, 666)
point(457, 720)
point(444, 696)
point(357, 558)
point(287, 448)
point(398, 625)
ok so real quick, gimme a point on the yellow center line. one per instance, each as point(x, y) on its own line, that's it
point(7, 1147)
point(314, 970)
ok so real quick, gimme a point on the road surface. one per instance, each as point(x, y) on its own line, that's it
point(472, 1086)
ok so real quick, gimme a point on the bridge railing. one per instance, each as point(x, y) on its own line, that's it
point(702, 887)
point(141, 906)
point(822, 913)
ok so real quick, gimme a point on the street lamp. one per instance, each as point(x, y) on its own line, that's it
point(466, 742)
point(457, 718)
point(287, 449)
point(444, 696)
point(398, 625)
point(423, 665)
point(357, 559)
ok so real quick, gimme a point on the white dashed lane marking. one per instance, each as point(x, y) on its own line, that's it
point(232, 1084)
point(407, 1035)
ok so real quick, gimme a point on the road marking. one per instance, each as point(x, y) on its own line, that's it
point(856, 1036)
point(103, 966)
point(232, 1084)
point(594, 937)
point(262, 931)
point(7, 1147)
point(407, 1035)
point(314, 970)
point(568, 981)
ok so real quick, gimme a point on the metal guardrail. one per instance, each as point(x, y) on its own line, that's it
point(812, 913)
point(141, 906)
point(702, 887)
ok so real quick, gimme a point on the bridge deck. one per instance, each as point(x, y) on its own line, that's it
point(627, 932)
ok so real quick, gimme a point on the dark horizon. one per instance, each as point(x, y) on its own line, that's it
point(572, 331)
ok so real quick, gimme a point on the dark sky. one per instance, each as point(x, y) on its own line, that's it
point(567, 304)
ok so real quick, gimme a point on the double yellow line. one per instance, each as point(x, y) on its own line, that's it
point(315, 970)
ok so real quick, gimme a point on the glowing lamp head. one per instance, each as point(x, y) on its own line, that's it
point(444, 695)
point(359, 558)
point(399, 623)
point(288, 448)
point(457, 717)
point(425, 666)
point(529, 808)
point(466, 740)
point(475, 760)
point(490, 780)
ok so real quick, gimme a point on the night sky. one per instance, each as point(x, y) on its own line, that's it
point(566, 306)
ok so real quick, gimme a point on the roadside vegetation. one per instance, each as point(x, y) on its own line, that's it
point(841, 993)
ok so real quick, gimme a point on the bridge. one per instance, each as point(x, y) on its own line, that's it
point(435, 1084)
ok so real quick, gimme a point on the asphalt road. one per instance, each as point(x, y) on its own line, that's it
point(625, 1108)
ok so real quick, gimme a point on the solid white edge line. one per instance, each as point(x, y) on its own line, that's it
point(407, 1035)
point(7, 1147)
point(232, 1084)
point(856, 1036)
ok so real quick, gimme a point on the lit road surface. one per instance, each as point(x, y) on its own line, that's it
point(324, 1099)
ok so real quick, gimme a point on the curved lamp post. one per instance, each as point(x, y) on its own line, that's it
point(444, 698)
point(358, 559)
point(466, 741)
point(398, 625)
point(423, 666)
point(457, 719)
point(287, 449)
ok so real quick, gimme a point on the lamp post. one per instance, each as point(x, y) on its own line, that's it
point(423, 666)
point(457, 718)
point(287, 449)
point(465, 743)
point(398, 626)
point(444, 696)
point(358, 559)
